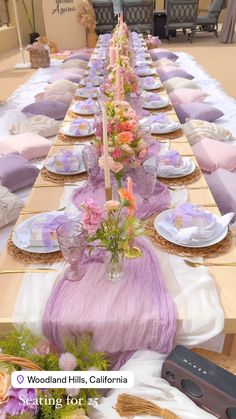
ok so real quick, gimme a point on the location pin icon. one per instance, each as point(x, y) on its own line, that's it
point(20, 379)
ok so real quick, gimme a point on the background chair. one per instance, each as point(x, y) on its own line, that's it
point(105, 18)
point(181, 14)
point(139, 15)
point(209, 23)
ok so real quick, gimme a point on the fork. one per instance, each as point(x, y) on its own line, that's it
point(199, 264)
point(36, 212)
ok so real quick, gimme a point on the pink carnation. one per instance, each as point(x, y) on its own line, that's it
point(93, 216)
point(67, 362)
point(113, 166)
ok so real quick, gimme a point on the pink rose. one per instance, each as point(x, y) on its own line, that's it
point(142, 154)
point(112, 206)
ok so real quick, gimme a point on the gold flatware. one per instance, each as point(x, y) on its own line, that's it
point(61, 185)
point(192, 188)
point(199, 264)
point(69, 145)
point(38, 211)
point(21, 271)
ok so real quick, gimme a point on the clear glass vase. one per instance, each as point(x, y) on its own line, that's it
point(114, 266)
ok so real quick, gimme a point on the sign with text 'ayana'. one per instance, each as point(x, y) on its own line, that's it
point(62, 25)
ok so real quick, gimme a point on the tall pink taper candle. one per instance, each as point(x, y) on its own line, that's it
point(112, 55)
point(118, 83)
point(106, 156)
point(121, 17)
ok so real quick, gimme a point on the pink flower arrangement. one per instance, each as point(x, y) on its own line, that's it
point(93, 216)
point(125, 142)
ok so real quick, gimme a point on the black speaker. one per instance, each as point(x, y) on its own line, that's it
point(211, 387)
point(159, 25)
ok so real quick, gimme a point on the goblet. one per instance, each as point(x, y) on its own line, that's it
point(71, 239)
point(91, 163)
point(145, 178)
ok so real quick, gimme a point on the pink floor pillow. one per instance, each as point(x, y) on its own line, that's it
point(222, 184)
point(186, 95)
point(212, 155)
point(29, 145)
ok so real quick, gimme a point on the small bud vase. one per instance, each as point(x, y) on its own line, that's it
point(114, 266)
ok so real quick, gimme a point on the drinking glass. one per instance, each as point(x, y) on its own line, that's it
point(71, 239)
point(145, 178)
point(91, 163)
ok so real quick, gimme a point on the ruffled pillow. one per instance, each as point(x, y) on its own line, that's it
point(41, 125)
point(177, 83)
point(29, 145)
point(75, 63)
point(185, 95)
point(62, 86)
point(212, 155)
point(196, 130)
point(51, 108)
point(55, 95)
point(201, 111)
point(16, 172)
point(67, 75)
point(10, 206)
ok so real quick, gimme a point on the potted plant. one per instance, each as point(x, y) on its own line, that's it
point(86, 17)
point(33, 35)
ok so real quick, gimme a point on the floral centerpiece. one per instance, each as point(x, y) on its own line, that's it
point(24, 351)
point(127, 150)
point(113, 228)
point(121, 38)
point(153, 41)
point(130, 77)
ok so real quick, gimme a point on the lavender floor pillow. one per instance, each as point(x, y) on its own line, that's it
point(222, 184)
point(66, 75)
point(174, 73)
point(55, 95)
point(79, 56)
point(185, 95)
point(53, 109)
point(16, 172)
point(201, 111)
point(158, 55)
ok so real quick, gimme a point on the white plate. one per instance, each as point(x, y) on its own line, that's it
point(83, 92)
point(158, 104)
point(73, 108)
point(83, 82)
point(66, 131)
point(148, 72)
point(172, 127)
point(157, 84)
point(50, 166)
point(189, 165)
point(26, 225)
point(217, 237)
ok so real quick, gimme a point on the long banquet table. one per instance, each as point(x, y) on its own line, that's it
point(42, 199)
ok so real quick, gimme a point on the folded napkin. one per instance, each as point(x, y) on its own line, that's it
point(171, 158)
point(153, 100)
point(189, 224)
point(79, 127)
point(42, 231)
point(87, 92)
point(65, 161)
point(86, 106)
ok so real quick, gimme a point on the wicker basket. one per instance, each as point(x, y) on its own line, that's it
point(39, 58)
point(21, 362)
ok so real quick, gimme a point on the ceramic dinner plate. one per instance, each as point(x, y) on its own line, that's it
point(150, 71)
point(188, 166)
point(96, 81)
point(50, 166)
point(66, 131)
point(87, 92)
point(216, 237)
point(158, 104)
point(25, 227)
point(80, 112)
point(172, 126)
point(156, 85)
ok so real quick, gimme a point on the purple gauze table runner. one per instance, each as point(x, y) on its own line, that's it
point(133, 313)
